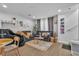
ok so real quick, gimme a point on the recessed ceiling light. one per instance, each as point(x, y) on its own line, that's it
point(29, 14)
point(69, 8)
point(4, 6)
point(59, 10)
point(34, 17)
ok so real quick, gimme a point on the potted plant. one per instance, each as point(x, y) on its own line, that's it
point(34, 31)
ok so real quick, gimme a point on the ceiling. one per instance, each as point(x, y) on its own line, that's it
point(35, 9)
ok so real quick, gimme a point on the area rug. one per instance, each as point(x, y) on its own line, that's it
point(39, 44)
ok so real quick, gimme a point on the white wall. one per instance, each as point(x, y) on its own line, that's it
point(44, 24)
point(71, 27)
point(78, 23)
point(8, 17)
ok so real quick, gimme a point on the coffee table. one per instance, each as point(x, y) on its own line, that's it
point(38, 38)
point(39, 44)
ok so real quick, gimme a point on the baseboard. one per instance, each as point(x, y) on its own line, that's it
point(63, 42)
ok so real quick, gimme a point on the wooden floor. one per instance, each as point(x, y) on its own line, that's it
point(54, 50)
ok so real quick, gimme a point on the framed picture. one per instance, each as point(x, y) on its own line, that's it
point(62, 25)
